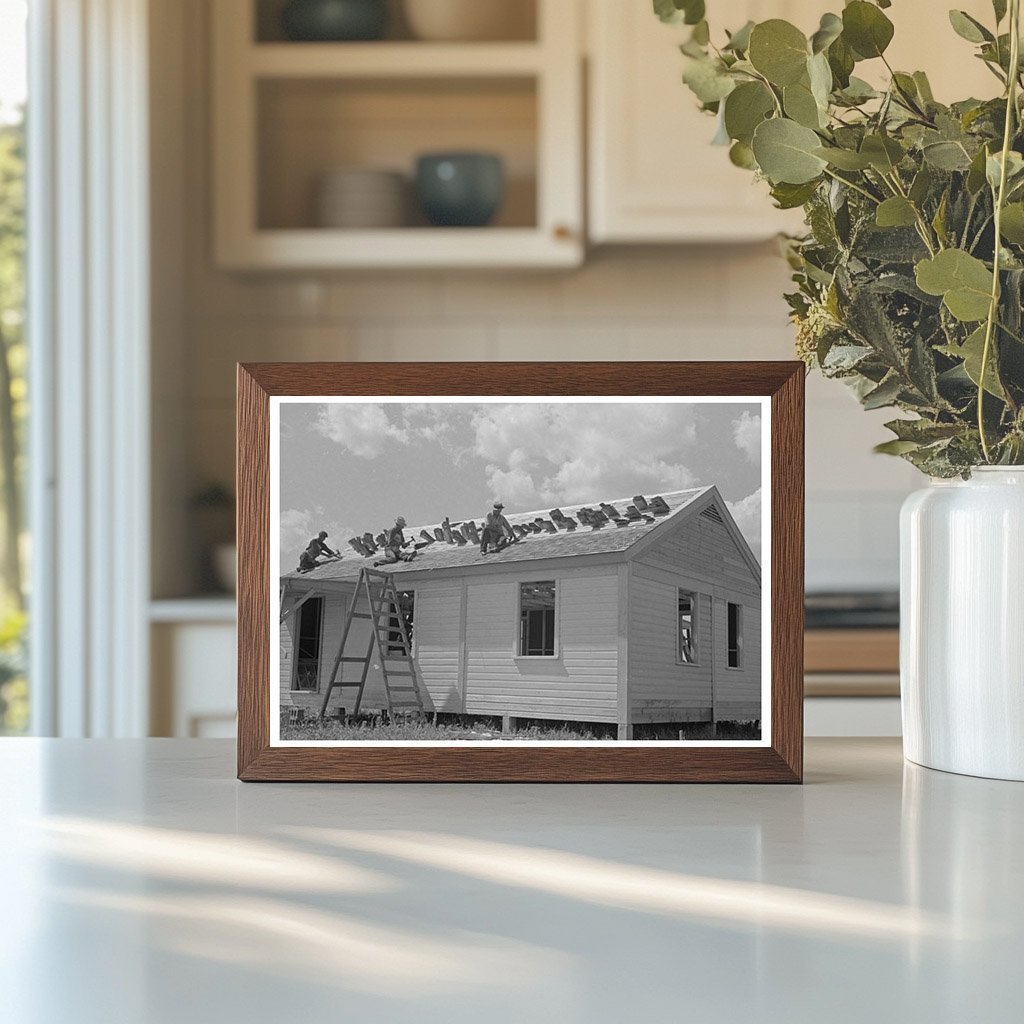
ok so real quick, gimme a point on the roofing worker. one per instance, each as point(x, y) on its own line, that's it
point(394, 547)
point(497, 532)
point(316, 547)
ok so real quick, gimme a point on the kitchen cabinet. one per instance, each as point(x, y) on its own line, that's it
point(286, 113)
point(653, 175)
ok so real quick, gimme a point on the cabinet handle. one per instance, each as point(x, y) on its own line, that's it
point(563, 232)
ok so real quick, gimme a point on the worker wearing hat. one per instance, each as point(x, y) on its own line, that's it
point(497, 532)
point(394, 548)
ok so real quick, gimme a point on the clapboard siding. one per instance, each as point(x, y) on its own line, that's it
point(706, 550)
point(437, 636)
point(580, 683)
point(700, 556)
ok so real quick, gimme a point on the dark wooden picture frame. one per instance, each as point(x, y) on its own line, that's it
point(781, 761)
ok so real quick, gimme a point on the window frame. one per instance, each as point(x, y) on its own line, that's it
point(739, 636)
point(298, 640)
point(518, 641)
point(694, 626)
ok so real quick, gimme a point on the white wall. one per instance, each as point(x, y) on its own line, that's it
point(702, 303)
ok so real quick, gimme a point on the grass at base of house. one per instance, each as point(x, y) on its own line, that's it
point(449, 728)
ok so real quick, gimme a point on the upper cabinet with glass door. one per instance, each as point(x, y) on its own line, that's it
point(653, 174)
point(376, 133)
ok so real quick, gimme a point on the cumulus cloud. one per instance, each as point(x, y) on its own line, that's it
point(746, 431)
point(747, 513)
point(367, 430)
point(551, 453)
point(363, 429)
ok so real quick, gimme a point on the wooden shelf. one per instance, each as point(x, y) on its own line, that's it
point(401, 247)
point(393, 60)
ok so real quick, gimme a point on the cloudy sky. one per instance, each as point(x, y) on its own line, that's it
point(349, 467)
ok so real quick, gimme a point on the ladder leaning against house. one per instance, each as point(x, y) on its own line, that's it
point(391, 640)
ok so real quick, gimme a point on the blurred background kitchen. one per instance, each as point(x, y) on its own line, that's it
point(246, 180)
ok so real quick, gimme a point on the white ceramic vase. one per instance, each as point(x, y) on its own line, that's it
point(962, 624)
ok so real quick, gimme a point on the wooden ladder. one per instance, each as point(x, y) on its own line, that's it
point(385, 617)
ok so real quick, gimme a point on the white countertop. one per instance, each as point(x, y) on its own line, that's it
point(141, 884)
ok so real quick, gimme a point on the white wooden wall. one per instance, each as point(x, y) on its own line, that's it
point(581, 682)
point(703, 558)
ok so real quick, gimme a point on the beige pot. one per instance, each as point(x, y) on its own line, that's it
point(471, 20)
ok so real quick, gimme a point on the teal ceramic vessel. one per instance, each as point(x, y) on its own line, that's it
point(461, 190)
point(334, 21)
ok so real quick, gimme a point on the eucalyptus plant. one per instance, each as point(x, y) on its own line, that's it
point(910, 278)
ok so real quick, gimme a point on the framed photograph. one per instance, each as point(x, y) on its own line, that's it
point(520, 572)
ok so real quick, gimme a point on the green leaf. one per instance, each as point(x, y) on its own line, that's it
point(895, 447)
point(745, 108)
point(844, 159)
point(971, 352)
point(858, 91)
point(778, 50)
point(921, 185)
point(924, 87)
point(785, 152)
point(800, 105)
point(969, 28)
point(896, 212)
point(947, 156)
point(866, 29)
point(841, 60)
point(999, 7)
point(741, 155)
point(1012, 225)
point(829, 30)
point(885, 394)
point(1014, 169)
point(963, 281)
point(820, 76)
point(739, 41)
point(976, 174)
point(789, 197)
point(883, 153)
point(939, 220)
point(676, 12)
point(923, 431)
point(708, 80)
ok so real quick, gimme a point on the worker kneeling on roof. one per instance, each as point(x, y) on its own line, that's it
point(394, 546)
point(497, 532)
point(309, 559)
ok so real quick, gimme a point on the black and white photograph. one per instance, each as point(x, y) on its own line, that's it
point(552, 571)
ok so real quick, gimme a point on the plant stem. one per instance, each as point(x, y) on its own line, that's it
point(993, 309)
point(856, 188)
point(922, 225)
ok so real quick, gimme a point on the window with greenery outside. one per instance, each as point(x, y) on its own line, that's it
point(14, 708)
point(909, 279)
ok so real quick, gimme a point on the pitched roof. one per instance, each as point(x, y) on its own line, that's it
point(610, 538)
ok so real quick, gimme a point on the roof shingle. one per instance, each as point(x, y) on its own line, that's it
point(542, 543)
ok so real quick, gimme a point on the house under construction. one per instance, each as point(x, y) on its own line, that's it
point(645, 610)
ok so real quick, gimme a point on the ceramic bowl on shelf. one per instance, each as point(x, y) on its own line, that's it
point(470, 20)
point(332, 21)
point(361, 198)
point(460, 189)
